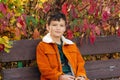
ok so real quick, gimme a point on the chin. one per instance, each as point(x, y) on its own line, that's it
point(58, 35)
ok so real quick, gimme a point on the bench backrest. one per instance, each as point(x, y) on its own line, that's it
point(23, 50)
point(26, 50)
point(97, 69)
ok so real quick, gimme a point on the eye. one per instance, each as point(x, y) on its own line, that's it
point(54, 24)
point(62, 25)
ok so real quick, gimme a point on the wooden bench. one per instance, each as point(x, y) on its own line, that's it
point(25, 50)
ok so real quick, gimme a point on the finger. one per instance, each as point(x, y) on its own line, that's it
point(72, 77)
point(81, 78)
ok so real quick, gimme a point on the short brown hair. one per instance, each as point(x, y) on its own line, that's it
point(55, 16)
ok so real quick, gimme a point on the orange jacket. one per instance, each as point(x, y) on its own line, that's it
point(48, 59)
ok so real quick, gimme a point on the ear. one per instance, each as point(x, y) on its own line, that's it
point(65, 28)
point(47, 27)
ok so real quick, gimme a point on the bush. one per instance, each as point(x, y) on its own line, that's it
point(86, 18)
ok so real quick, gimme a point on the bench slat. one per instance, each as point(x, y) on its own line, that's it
point(109, 44)
point(21, 50)
point(26, 73)
point(102, 45)
point(103, 69)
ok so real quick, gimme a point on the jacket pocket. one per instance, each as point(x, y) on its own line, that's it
point(73, 52)
point(52, 58)
point(73, 55)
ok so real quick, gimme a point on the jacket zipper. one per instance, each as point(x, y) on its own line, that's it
point(69, 63)
point(58, 56)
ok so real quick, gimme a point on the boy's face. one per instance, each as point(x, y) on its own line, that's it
point(56, 28)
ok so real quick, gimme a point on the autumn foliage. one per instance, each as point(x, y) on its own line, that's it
point(25, 19)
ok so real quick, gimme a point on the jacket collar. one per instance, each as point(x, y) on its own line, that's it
point(47, 39)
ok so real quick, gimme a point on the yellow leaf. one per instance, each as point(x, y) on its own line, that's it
point(12, 20)
point(17, 37)
point(17, 34)
point(7, 46)
point(11, 1)
point(112, 29)
point(0, 77)
point(19, 3)
point(38, 6)
point(17, 13)
point(6, 39)
point(43, 1)
point(1, 40)
point(119, 14)
point(19, 25)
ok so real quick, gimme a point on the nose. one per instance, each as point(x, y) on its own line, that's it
point(58, 27)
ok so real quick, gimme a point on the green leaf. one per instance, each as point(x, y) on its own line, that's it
point(42, 21)
point(81, 21)
point(75, 21)
point(7, 50)
point(31, 20)
point(1, 15)
point(20, 64)
point(5, 1)
point(20, 10)
point(10, 5)
point(88, 31)
point(36, 20)
point(10, 42)
point(80, 1)
point(76, 34)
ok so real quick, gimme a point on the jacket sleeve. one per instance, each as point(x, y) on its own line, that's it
point(44, 66)
point(80, 65)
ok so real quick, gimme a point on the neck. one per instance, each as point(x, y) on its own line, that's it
point(56, 40)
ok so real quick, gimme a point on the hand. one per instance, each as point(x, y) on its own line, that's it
point(66, 77)
point(80, 78)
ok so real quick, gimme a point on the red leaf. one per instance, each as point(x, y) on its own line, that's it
point(92, 27)
point(3, 24)
point(21, 21)
point(2, 47)
point(91, 9)
point(73, 12)
point(96, 12)
point(23, 24)
point(76, 28)
point(85, 25)
point(8, 16)
point(64, 8)
point(92, 37)
point(118, 32)
point(91, 1)
point(97, 30)
point(3, 8)
point(69, 34)
point(46, 7)
point(105, 16)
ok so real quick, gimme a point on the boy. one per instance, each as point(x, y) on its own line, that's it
point(57, 57)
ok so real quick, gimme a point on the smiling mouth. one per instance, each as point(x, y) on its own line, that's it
point(57, 32)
